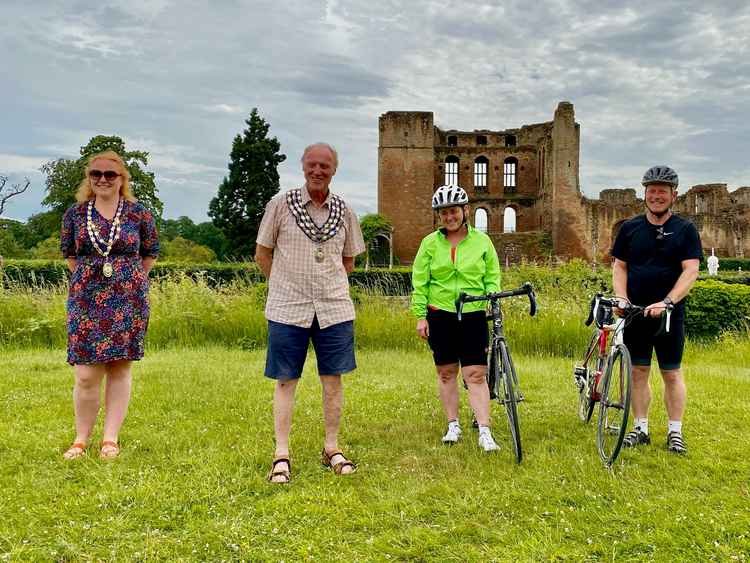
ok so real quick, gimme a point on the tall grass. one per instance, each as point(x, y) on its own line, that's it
point(193, 312)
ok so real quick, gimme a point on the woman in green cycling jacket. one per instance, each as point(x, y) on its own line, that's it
point(453, 259)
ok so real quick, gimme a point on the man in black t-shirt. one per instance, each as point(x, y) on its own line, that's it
point(656, 263)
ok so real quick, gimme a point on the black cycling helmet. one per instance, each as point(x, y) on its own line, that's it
point(660, 175)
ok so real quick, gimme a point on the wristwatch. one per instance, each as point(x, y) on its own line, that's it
point(668, 300)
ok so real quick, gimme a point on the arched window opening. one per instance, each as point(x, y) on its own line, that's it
point(509, 175)
point(480, 220)
point(510, 140)
point(452, 141)
point(481, 139)
point(480, 173)
point(451, 170)
point(509, 220)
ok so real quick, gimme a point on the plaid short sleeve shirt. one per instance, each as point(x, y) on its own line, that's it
point(301, 287)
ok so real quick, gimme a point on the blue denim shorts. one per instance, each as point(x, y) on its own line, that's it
point(287, 349)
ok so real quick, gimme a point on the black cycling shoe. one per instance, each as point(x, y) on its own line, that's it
point(675, 443)
point(636, 438)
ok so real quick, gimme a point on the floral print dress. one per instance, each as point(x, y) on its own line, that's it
point(108, 316)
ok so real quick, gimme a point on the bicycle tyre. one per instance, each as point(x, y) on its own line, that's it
point(508, 396)
point(493, 373)
point(586, 403)
point(614, 404)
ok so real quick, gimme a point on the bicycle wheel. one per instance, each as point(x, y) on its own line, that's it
point(508, 395)
point(614, 404)
point(584, 377)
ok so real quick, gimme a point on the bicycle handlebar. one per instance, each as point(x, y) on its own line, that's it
point(525, 289)
point(629, 309)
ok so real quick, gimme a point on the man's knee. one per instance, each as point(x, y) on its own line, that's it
point(641, 373)
point(447, 372)
point(671, 376)
point(475, 375)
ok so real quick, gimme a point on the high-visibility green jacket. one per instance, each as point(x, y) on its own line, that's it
point(438, 277)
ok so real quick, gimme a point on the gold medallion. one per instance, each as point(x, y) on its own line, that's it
point(107, 269)
point(319, 256)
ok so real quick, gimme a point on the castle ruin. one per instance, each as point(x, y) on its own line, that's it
point(525, 191)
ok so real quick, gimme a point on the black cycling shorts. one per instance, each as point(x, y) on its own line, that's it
point(640, 339)
point(454, 342)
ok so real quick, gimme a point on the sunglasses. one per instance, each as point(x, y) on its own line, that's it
point(108, 175)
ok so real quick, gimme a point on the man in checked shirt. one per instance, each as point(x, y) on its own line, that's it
point(306, 245)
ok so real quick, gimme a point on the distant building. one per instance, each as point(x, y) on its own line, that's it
point(525, 191)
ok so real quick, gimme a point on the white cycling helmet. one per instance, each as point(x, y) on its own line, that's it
point(448, 196)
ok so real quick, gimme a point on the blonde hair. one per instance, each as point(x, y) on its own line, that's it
point(85, 193)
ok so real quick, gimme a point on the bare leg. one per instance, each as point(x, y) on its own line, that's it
point(448, 389)
point(479, 393)
point(116, 398)
point(641, 397)
point(675, 393)
point(283, 405)
point(88, 380)
point(333, 400)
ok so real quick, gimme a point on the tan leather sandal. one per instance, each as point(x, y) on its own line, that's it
point(75, 451)
point(337, 467)
point(109, 450)
point(285, 473)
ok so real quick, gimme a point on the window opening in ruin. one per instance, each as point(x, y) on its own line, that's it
point(480, 173)
point(510, 140)
point(451, 170)
point(452, 141)
point(481, 140)
point(509, 175)
point(509, 220)
point(480, 220)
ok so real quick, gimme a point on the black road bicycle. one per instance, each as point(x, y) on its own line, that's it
point(605, 374)
point(501, 373)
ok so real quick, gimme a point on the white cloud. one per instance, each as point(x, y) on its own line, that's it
point(19, 164)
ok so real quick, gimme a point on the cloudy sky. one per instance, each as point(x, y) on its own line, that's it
point(652, 82)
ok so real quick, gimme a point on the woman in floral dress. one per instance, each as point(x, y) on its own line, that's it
point(110, 243)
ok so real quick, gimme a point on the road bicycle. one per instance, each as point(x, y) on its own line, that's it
point(501, 373)
point(605, 374)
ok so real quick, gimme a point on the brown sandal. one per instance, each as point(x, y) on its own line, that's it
point(75, 451)
point(286, 473)
point(336, 468)
point(112, 453)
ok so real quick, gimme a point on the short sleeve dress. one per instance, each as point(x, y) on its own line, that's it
point(108, 316)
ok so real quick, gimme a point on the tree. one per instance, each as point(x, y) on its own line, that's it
point(206, 234)
point(48, 249)
point(252, 181)
point(183, 250)
point(374, 225)
point(7, 193)
point(64, 176)
point(9, 246)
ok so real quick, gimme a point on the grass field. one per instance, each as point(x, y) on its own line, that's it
point(190, 483)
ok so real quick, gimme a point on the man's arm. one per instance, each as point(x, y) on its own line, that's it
point(264, 259)
point(620, 278)
point(681, 287)
point(348, 263)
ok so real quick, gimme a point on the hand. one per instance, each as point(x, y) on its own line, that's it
point(423, 329)
point(620, 309)
point(655, 309)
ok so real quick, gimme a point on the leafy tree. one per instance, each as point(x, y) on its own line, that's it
point(64, 176)
point(9, 247)
point(183, 250)
point(39, 227)
point(206, 234)
point(252, 181)
point(48, 249)
point(373, 225)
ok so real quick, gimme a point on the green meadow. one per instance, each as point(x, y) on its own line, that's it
point(190, 482)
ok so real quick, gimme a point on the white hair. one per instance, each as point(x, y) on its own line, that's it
point(324, 145)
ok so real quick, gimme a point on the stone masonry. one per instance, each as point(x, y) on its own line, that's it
point(531, 172)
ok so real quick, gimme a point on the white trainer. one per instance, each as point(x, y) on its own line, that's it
point(453, 434)
point(487, 443)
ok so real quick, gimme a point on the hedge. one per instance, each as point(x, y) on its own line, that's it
point(714, 307)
